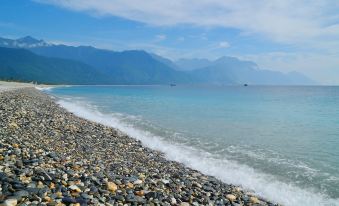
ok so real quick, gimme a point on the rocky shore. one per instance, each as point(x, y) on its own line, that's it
point(48, 156)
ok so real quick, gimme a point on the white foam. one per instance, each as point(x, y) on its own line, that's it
point(228, 171)
point(44, 88)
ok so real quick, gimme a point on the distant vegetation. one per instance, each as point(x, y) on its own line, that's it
point(29, 59)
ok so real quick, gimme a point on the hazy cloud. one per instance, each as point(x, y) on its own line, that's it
point(285, 21)
point(160, 37)
point(224, 44)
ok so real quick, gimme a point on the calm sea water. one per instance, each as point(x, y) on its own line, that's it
point(281, 142)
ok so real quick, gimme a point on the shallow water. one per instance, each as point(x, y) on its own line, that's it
point(281, 142)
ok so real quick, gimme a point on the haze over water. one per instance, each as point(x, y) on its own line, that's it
point(281, 142)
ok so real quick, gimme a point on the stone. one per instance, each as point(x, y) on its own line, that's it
point(59, 194)
point(173, 201)
point(137, 182)
point(19, 163)
point(93, 190)
point(130, 185)
point(184, 204)
point(68, 200)
point(21, 193)
point(111, 186)
point(75, 188)
point(231, 197)
point(10, 202)
point(150, 195)
point(13, 125)
point(131, 198)
point(140, 193)
point(254, 200)
point(52, 185)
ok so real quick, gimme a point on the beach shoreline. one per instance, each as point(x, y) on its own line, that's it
point(76, 161)
point(8, 85)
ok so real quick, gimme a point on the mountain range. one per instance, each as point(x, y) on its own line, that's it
point(30, 59)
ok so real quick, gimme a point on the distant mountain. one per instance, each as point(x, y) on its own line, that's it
point(23, 65)
point(140, 67)
point(192, 64)
point(231, 70)
point(127, 67)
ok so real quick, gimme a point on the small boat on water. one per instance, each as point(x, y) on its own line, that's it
point(173, 85)
point(245, 85)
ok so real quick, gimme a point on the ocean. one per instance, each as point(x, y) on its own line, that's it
point(281, 142)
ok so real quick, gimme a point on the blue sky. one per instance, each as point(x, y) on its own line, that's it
point(289, 35)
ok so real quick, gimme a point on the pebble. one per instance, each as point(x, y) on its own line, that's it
point(254, 200)
point(231, 197)
point(137, 182)
point(111, 186)
point(75, 188)
point(10, 202)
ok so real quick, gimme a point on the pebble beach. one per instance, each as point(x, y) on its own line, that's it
point(48, 156)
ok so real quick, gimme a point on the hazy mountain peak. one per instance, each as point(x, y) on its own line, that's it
point(29, 40)
point(226, 58)
point(24, 42)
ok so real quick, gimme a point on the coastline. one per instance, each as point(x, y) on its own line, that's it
point(6, 85)
point(75, 161)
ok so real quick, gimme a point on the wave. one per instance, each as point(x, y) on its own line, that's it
point(228, 171)
point(44, 88)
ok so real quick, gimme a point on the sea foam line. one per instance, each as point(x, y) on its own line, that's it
point(228, 171)
point(44, 88)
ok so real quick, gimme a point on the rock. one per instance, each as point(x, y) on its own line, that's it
point(131, 198)
point(59, 194)
point(13, 125)
point(231, 197)
point(254, 200)
point(93, 190)
point(68, 200)
point(184, 204)
point(140, 193)
point(137, 182)
point(111, 186)
point(173, 201)
point(150, 195)
point(75, 188)
point(19, 163)
point(10, 202)
point(140, 200)
point(130, 185)
point(21, 193)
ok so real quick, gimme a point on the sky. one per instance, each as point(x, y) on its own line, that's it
point(281, 35)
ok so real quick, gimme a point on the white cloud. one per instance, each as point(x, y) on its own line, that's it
point(224, 44)
point(284, 21)
point(160, 37)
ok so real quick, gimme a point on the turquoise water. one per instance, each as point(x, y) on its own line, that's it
point(281, 142)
